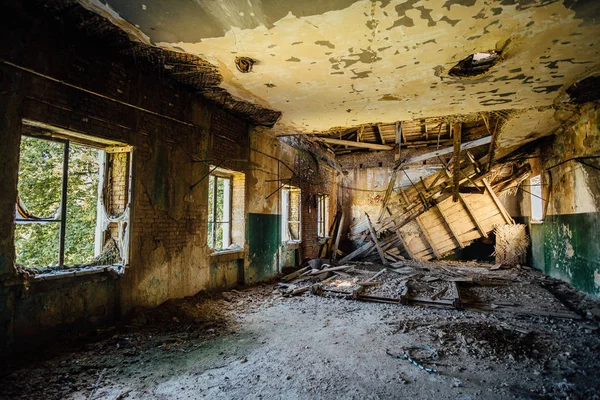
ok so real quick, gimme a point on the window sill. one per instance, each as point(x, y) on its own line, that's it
point(292, 245)
point(113, 270)
point(536, 222)
point(227, 255)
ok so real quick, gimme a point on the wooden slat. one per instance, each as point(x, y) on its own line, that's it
point(458, 241)
point(472, 216)
point(456, 155)
point(426, 234)
point(357, 252)
point(361, 145)
point(338, 235)
point(374, 237)
point(446, 150)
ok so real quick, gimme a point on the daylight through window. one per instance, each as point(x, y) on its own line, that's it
point(290, 211)
point(322, 214)
point(535, 187)
point(61, 217)
point(219, 212)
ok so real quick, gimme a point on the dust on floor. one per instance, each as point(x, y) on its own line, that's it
point(256, 344)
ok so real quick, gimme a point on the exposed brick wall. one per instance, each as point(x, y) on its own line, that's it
point(326, 184)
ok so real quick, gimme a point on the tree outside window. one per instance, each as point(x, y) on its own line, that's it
point(219, 212)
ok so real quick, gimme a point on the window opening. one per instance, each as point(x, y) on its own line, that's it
point(290, 208)
point(322, 214)
point(60, 216)
point(219, 212)
point(537, 207)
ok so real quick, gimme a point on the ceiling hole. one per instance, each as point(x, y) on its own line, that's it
point(585, 90)
point(244, 64)
point(475, 64)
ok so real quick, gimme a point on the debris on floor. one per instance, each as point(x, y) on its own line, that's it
point(474, 286)
point(323, 332)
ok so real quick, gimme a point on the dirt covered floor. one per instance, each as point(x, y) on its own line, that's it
point(257, 343)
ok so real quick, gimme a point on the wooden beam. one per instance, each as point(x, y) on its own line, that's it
point(399, 235)
point(388, 194)
point(473, 217)
point(362, 145)
point(359, 133)
point(446, 150)
point(380, 134)
point(338, 235)
point(456, 166)
point(398, 140)
point(357, 252)
point(445, 218)
point(505, 215)
point(374, 237)
point(492, 149)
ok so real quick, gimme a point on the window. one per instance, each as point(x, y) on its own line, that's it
point(290, 211)
point(68, 195)
point(322, 214)
point(219, 212)
point(537, 207)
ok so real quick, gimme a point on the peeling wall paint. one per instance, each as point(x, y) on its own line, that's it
point(566, 244)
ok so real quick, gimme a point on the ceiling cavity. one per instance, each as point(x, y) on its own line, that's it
point(585, 90)
point(475, 64)
point(244, 64)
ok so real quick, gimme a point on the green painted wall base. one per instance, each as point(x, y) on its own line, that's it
point(567, 247)
point(263, 238)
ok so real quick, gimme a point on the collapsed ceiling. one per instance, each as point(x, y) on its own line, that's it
point(342, 63)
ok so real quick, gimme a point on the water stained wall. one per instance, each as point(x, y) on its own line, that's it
point(565, 244)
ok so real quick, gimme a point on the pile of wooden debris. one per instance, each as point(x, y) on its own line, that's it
point(447, 285)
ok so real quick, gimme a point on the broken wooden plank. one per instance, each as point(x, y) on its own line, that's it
point(455, 294)
point(388, 194)
point(503, 211)
point(492, 148)
point(446, 150)
point(375, 240)
point(338, 235)
point(378, 299)
point(331, 269)
point(357, 252)
point(295, 274)
point(361, 145)
point(377, 275)
point(457, 129)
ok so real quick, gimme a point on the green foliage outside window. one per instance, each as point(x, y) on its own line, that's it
point(40, 185)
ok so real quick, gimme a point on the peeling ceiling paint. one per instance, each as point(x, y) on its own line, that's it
point(342, 63)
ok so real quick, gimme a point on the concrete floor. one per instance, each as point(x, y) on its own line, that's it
point(256, 344)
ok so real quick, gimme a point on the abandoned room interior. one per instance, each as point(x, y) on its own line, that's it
point(306, 199)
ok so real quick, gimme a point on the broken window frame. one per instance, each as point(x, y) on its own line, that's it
point(286, 221)
point(227, 211)
point(103, 219)
point(322, 215)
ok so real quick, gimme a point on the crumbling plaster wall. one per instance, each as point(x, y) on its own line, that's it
point(566, 244)
point(173, 133)
point(366, 177)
